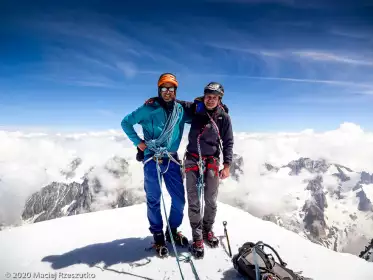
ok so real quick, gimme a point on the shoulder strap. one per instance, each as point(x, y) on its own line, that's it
point(217, 131)
point(277, 255)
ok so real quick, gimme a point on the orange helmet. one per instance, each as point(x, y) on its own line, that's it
point(167, 78)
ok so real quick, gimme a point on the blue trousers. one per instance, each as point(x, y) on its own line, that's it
point(175, 187)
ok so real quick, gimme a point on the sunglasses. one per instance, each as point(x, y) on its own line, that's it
point(164, 89)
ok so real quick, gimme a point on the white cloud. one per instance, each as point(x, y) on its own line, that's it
point(331, 57)
point(29, 161)
point(106, 113)
point(363, 88)
point(91, 52)
point(366, 92)
point(129, 69)
point(240, 48)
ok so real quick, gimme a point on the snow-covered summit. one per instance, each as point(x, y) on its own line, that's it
point(111, 244)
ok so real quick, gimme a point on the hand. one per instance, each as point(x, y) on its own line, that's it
point(224, 173)
point(142, 146)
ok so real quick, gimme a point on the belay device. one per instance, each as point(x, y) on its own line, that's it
point(253, 263)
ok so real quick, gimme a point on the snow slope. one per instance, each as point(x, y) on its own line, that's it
point(110, 244)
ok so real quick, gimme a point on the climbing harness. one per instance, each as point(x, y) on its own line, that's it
point(160, 148)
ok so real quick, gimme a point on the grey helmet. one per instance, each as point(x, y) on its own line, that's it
point(214, 88)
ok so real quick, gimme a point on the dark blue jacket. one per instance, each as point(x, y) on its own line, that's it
point(209, 140)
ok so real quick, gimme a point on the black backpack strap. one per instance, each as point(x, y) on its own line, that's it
point(269, 266)
point(277, 255)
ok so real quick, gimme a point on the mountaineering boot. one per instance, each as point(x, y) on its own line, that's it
point(197, 250)
point(160, 244)
point(210, 239)
point(178, 237)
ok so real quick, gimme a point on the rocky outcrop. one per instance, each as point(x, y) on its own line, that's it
point(341, 175)
point(312, 166)
point(70, 170)
point(314, 219)
point(366, 178)
point(364, 202)
point(270, 167)
point(117, 166)
point(125, 198)
point(367, 253)
point(61, 199)
point(317, 191)
point(58, 200)
point(236, 167)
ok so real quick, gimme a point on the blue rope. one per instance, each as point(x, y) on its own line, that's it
point(188, 258)
point(160, 145)
point(160, 148)
point(185, 258)
point(168, 224)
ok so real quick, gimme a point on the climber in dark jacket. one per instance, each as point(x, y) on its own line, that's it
point(210, 133)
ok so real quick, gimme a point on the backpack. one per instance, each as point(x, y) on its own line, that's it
point(254, 264)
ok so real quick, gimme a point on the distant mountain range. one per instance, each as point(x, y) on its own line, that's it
point(333, 229)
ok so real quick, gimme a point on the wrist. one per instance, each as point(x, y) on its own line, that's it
point(226, 165)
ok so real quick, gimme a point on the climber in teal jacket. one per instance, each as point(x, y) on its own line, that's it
point(153, 117)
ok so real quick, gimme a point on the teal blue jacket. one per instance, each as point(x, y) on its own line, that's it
point(152, 118)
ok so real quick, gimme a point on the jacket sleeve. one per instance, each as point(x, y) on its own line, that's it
point(130, 120)
point(189, 110)
point(227, 139)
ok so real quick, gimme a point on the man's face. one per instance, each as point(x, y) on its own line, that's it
point(168, 91)
point(211, 101)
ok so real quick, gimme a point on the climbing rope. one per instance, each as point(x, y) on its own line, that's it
point(215, 126)
point(161, 145)
point(201, 164)
point(160, 148)
point(200, 180)
point(188, 258)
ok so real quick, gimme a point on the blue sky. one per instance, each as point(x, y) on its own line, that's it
point(285, 65)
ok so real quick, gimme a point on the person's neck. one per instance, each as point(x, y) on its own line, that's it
point(167, 105)
point(212, 110)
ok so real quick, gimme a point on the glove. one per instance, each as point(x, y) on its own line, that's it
point(139, 155)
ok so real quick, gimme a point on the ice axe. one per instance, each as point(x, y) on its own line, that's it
point(226, 235)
